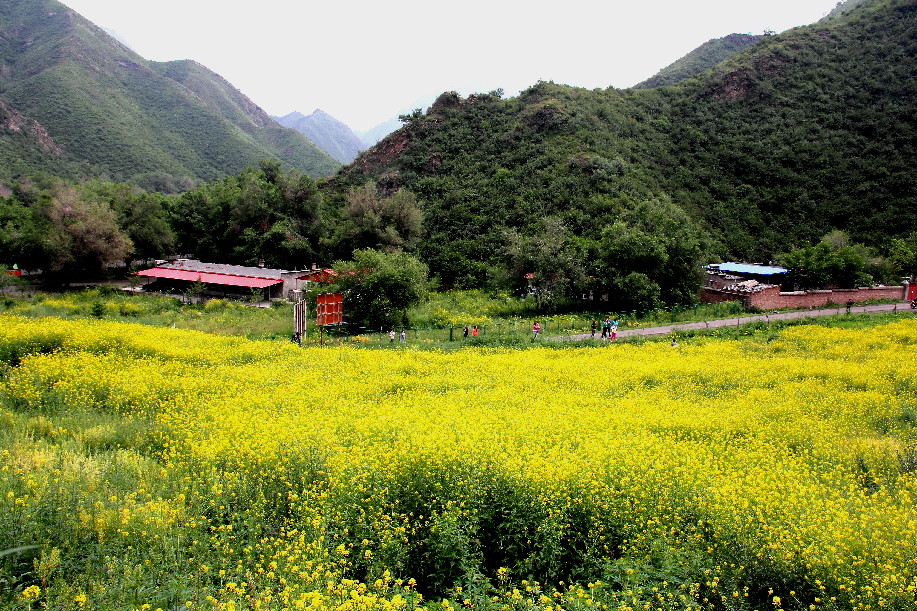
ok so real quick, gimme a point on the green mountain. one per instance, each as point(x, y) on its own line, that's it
point(329, 134)
point(705, 56)
point(111, 113)
point(811, 130)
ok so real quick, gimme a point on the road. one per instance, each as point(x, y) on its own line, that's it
point(744, 320)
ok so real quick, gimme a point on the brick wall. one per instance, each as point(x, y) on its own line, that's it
point(772, 298)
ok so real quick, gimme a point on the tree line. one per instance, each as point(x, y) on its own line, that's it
point(649, 256)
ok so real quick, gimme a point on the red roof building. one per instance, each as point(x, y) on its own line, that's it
point(231, 280)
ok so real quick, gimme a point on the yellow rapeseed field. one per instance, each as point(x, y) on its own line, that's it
point(158, 468)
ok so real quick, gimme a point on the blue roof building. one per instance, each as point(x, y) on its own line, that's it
point(747, 269)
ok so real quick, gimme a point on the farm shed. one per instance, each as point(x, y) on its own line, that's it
point(220, 279)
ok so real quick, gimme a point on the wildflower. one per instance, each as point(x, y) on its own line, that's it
point(31, 593)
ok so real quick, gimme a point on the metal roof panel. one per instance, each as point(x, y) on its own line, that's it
point(208, 278)
point(750, 268)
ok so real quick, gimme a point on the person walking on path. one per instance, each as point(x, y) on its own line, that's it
point(614, 330)
point(536, 329)
point(465, 332)
point(751, 318)
point(594, 325)
point(402, 337)
point(391, 336)
point(474, 331)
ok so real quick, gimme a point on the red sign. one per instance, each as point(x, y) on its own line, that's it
point(329, 309)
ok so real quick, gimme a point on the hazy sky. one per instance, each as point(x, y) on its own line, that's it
point(365, 61)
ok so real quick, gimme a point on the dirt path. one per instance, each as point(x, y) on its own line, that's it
point(744, 320)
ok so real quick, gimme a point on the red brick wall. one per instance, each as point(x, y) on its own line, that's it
point(771, 298)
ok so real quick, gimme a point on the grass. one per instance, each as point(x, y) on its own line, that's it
point(218, 316)
point(502, 321)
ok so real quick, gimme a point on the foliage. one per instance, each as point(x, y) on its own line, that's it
point(263, 213)
point(78, 234)
point(902, 256)
point(651, 256)
point(807, 131)
point(141, 215)
point(835, 262)
point(547, 264)
point(170, 468)
point(380, 286)
point(700, 59)
point(78, 230)
point(373, 221)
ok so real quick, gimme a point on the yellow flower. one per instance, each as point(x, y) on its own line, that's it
point(31, 593)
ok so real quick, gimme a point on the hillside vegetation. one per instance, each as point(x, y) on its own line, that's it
point(808, 131)
point(705, 56)
point(112, 114)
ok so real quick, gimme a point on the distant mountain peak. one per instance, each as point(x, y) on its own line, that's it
point(328, 133)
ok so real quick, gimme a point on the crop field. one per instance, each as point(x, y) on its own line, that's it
point(147, 468)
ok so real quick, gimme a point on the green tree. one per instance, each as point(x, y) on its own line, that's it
point(650, 256)
point(77, 235)
point(142, 216)
point(260, 214)
point(16, 233)
point(902, 256)
point(833, 262)
point(549, 264)
point(379, 286)
point(373, 221)
point(195, 290)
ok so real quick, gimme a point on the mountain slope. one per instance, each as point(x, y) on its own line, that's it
point(329, 134)
point(24, 144)
point(705, 56)
point(813, 129)
point(107, 107)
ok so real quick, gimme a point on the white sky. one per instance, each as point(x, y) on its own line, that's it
point(366, 61)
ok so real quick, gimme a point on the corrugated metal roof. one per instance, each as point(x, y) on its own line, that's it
point(748, 268)
point(194, 265)
point(208, 278)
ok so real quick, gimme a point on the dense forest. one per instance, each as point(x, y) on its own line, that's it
point(799, 148)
